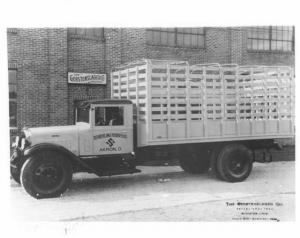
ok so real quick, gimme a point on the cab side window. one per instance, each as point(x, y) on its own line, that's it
point(109, 116)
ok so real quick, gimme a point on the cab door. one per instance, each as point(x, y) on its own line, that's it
point(112, 129)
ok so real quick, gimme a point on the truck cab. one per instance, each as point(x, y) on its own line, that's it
point(110, 124)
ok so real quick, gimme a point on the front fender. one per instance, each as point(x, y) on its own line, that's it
point(47, 146)
point(20, 156)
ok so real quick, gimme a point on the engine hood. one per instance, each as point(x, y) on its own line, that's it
point(66, 136)
point(51, 131)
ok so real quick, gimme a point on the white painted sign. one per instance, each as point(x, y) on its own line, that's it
point(117, 142)
point(83, 78)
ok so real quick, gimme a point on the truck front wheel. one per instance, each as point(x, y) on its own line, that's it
point(234, 163)
point(194, 161)
point(46, 175)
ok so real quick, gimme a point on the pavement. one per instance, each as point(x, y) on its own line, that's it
point(166, 193)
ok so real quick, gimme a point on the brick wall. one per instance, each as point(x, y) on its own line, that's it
point(113, 41)
point(58, 86)
point(33, 78)
point(236, 44)
point(13, 47)
point(133, 44)
point(39, 56)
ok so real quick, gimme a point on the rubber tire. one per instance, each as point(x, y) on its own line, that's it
point(15, 174)
point(213, 158)
point(223, 160)
point(32, 163)
point(194, 161)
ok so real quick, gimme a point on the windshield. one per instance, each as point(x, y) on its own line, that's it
point(82, 115)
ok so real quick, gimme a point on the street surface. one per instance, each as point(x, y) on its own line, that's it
point(166, 193)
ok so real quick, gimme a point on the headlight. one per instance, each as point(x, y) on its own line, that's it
point(27, 136)
point(23, 143)
point(28, 140)
point(16, 143)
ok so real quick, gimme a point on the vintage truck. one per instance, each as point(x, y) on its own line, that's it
point(209, 116)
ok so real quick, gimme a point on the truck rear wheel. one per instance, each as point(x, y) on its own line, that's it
point(46, 175)
point(194, 161)
point(234, 163)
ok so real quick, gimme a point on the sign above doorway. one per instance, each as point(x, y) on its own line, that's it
point(85, 78)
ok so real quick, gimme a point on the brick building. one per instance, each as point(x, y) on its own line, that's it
point(39, 61)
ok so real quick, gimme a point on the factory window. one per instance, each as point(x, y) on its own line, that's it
point(161, 36)
point(181, 37)
point(190, 37)
point(88, 33)
point(271, 38)
point(12, 80)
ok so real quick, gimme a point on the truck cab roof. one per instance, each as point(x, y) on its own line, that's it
point(88, 103)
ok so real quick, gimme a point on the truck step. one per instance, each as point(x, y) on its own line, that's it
point(120, 171)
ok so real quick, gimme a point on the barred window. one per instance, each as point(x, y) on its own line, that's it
point(161, 36)
point(190, 37)
point(12, 80)
point(271, 38)
point(182, 37)
point(282, 38)
point(90, 33)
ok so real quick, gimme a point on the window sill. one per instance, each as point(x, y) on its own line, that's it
point(12, 30)
point(84, 37)
point(12, 66)
point(271, 52)
point(176, 47)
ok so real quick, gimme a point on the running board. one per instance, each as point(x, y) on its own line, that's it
point(118, 172)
